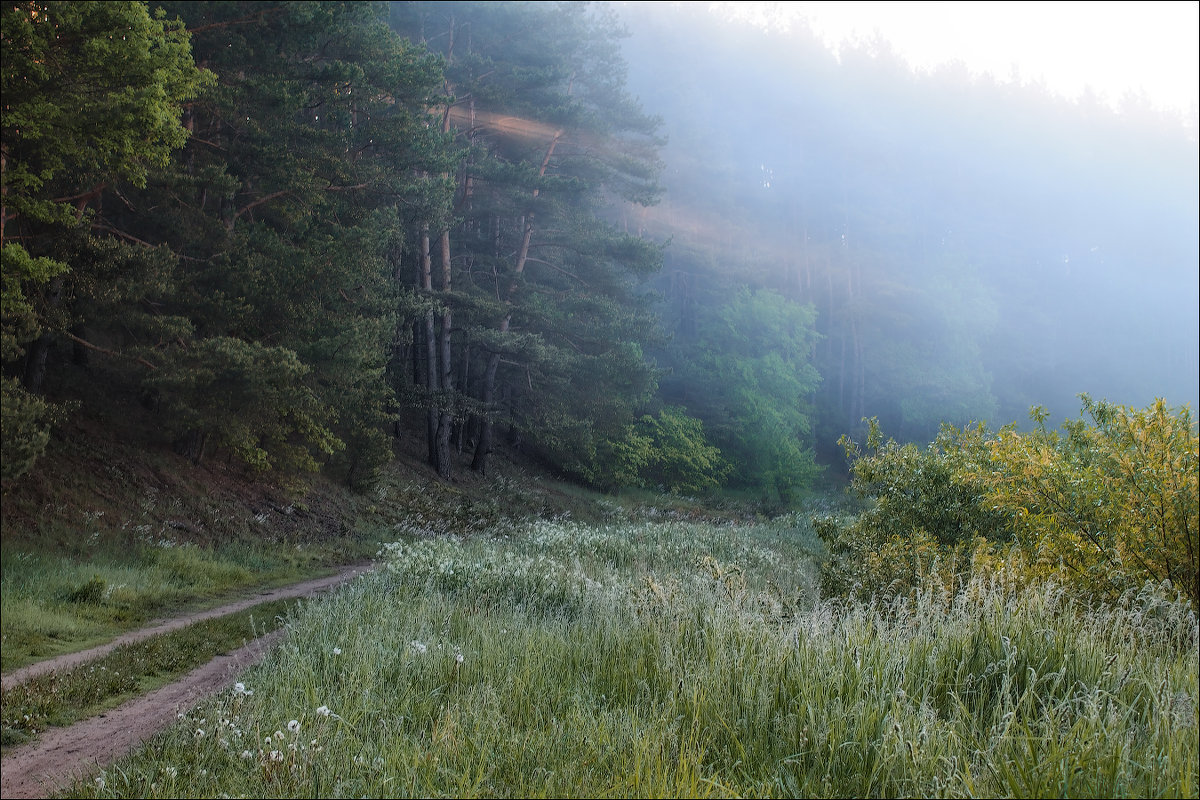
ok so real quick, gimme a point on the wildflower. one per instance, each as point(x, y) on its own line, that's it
point(199, 733)
point(239, 688)
point(246, 754)
point(276, 755)
point(324, 711)
point(294, 726)
point(420, 647)
point(458, 657)
point(337, 651)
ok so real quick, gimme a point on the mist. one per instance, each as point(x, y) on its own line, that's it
point(971, 248)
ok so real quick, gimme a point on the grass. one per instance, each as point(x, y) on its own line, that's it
point(671, 658)
point(55, 700)
point(56, 603)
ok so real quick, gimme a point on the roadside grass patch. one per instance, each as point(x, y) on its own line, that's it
point(55, 604)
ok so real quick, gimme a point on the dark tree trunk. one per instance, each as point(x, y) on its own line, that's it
point(445, 416)
point(484, 447)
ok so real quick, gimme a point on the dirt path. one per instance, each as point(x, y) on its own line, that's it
point(60, 755)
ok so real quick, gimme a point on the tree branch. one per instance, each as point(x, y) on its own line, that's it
point(106, 352)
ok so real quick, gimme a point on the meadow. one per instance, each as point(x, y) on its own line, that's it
point(671, 658)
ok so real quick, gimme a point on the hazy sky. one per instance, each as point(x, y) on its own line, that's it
point(1114, 47)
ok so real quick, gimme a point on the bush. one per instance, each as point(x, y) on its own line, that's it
point(1104, 506)
point(928, 514)
point(1112, 503)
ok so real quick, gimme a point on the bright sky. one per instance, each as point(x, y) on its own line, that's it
point(1114, 47)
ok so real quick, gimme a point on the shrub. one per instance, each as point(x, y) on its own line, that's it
point(1111, 503)
point(928, 514)
point(1104, 506)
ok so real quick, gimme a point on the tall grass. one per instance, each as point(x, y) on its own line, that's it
point(671, 659)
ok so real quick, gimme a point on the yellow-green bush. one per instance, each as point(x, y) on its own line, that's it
point(1110, 500)
point(1104, 505)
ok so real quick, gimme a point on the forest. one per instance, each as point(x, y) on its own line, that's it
point(285, 234)
point(718, 415)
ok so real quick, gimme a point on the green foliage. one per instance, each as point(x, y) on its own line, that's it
point(1104, 505)
point(1111, 499)
point(926, 514)
point(754, 362)
point(93, 95)
point(20, 323)
point(93, 92)
point(280, 423)
point(27, 417)
point(26, 430)
point(668, 451)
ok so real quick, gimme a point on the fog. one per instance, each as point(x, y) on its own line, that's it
point(972, 248)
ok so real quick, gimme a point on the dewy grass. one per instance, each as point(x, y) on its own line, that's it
point(57, 699)
point(56, 604)
point(674, 659)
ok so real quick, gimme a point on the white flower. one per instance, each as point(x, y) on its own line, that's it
point(420, 647)
point(239, 688)
point(458, 657)
point(246, 754)
point(324, 711)
point(337, 651)
point(294, 726)
point(276, 755)
point(199, 733)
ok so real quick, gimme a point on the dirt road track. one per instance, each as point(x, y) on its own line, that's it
point(61, 755)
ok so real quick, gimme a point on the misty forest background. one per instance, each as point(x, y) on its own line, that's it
point(690, 258)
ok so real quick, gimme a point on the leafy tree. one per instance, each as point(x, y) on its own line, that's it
point(93, 95)
point(288, 205)
point(749, 376)
point(670, 451)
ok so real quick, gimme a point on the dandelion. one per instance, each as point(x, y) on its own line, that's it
point(246, 754)
point(324, 711)
point(276, 755)
point(420, 647)
point(239, 688)
point(294, 726)
point(458, 658)
point(199, 733)
point(337, 651)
